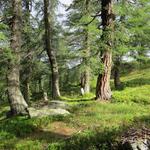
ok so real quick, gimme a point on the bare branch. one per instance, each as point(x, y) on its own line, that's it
point(94, 17)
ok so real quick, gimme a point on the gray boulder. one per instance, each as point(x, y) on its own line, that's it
point(47, 111)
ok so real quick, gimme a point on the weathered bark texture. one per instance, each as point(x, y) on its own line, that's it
point(117, 81)
point(50, 51)
point(86, 73)
point(103, 91)
point(16, 100)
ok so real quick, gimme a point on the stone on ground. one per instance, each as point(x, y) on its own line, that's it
point(51, 109)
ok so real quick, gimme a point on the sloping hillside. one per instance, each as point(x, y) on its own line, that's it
point(136, 88)
point(92, 125)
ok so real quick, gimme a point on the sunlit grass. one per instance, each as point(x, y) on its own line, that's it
point(95, 122)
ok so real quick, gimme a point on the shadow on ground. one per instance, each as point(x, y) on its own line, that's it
point(137, 82)
point(81, 100)
point(108, 139)
point(19, 129)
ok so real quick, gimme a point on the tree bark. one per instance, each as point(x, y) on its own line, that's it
point(103, 90)
point(50, 51)
point(17, 103)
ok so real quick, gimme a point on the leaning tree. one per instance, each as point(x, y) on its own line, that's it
point(49, 6)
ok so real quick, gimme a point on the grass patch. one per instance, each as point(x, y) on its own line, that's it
point(91, 126)
point(136, 88)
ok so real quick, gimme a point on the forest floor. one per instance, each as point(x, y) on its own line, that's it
point(91, 125)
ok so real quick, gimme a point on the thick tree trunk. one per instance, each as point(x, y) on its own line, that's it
point(117, 82)
point(16, 100)
point(50, 51)
point(103, 90)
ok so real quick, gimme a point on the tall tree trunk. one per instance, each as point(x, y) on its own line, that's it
point(17, 103)
point(50, 51)
point(103, 91)
point(86, 73)
point(117, 82)
point(27, 69)
point(29, 57)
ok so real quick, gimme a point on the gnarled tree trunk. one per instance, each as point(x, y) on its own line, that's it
point(50, 51)
point(16, 100)
point(103, 91)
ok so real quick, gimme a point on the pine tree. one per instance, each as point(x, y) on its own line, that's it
point(82, 38)
point(48, 18)
point(16, 100)
point(103, 91)
point(26, 63)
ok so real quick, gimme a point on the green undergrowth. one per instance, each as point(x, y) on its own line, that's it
point(136, 88)
point(96, 124)
point(92, 125)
